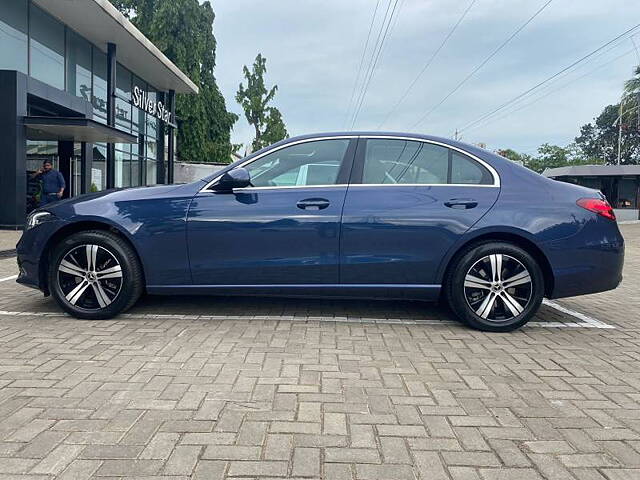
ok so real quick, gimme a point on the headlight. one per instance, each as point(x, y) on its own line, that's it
point(37, 218)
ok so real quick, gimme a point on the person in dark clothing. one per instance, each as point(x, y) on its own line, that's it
point(53, 183)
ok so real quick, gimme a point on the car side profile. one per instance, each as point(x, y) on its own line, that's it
point(373, 215)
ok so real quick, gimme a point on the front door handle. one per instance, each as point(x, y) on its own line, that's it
point(461, 203)
point(313, 204)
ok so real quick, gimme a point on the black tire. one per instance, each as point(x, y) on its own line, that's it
point(117, 294)
point(495, 301)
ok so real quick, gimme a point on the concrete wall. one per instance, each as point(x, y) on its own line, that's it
point(190, 172)
point(626, 214)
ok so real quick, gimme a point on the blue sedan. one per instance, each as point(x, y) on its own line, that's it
point(343, 215)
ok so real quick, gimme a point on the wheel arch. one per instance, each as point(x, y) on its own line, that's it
point(75, 227)
point(515, 238)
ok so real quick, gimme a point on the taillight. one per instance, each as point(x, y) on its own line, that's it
point(596, 205)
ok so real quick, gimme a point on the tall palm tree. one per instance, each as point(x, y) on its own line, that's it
point(632, 86)
point(631, 98)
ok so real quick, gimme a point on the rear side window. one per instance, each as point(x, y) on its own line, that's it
point(465, 170)
point(396, 161)
point(404, 161)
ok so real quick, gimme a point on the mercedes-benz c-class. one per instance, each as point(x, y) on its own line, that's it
point(371, 215)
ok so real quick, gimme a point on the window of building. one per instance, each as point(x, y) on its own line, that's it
point(46, 48)
point(123, 98)
point(99, 168)
point(78, 66)
point(310, 163)
point(405, 162)
point(99, 98)
point(138, 116)
point(122, 168)
point(152, 129)
point(627, 193)
point(13, 35)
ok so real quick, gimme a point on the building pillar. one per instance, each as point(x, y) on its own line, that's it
point(161, 170)
point(86, 163)
point(171, 99)
point(65, 156)
point(111, 112)
point(13, 145)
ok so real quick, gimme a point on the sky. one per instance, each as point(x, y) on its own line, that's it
point(314, 49)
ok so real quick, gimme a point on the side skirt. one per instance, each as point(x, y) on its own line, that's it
point(373, 291)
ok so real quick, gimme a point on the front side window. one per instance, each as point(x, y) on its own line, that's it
point(396, 161)
point(310, 163)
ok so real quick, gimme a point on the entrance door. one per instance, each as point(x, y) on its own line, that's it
point(37, 152)
point(284, 230)
point(407, 205)
point(71, 166)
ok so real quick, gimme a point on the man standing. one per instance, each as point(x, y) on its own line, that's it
point(53, 183)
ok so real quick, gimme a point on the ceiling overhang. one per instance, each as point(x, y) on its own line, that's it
point(75, 129)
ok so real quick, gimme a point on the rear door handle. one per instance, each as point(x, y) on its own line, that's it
point(461, 203)
point(313, 204)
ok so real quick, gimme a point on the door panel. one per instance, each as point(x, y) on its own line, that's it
point(261, 237)
point(282, 231)
point(398, 229)
point(399, 234)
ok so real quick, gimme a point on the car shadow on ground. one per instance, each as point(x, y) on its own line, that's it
point(234, 307)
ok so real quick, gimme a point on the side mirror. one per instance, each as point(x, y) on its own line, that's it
point(236, 178)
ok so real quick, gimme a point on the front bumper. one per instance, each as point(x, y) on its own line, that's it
point(32, 254)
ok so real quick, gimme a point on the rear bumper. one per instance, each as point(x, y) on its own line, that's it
point(589, 262)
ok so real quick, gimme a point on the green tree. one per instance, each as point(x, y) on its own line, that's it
point(183, 31)
point(598, 141)
point(631, 103)
point(254, 98)
point(548, 156)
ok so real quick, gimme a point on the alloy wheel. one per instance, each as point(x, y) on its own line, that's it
point(90, 277)
point(498, 287)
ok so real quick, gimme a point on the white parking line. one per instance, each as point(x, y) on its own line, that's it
point(586, 321)
point(5, 279)
point(592, 322)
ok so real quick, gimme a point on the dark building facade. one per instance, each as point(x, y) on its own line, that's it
point(619, 183)
point(81, 87)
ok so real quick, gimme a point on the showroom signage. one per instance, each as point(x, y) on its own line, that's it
point(142, 100)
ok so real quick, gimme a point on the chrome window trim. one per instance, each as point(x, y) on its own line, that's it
point(494, 173)
point(422, 185)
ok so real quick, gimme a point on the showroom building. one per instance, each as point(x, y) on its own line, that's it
point(80, 86)
point(619, 183)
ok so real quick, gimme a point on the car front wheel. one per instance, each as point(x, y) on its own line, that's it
point(95, 275)
point(495, 287)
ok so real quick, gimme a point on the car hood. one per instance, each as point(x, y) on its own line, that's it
point(64, 208)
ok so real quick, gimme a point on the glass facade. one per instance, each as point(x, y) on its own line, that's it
point(46, 48)
point(37, 44)
point(13, 35)
point(78, 66)
point(99, 93)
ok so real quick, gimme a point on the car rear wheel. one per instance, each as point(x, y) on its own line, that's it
point(95, 275)
point(495, 287)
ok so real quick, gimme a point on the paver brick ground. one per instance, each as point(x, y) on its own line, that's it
point(236, 388)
